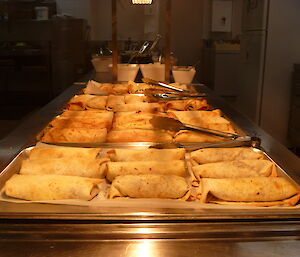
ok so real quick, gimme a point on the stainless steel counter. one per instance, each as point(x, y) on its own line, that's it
point(51, 230)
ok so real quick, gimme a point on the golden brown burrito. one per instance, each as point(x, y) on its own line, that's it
point(132, 155)
point(114, 100)
point(259, 189)
point(139, 135)
point(63, 152)
point(150, 186)
point(188, 116)
point(139, 107)
point(191, 136)
point(115, 169)
point(133, 120)
point(51, 187)
point(99, 122)
point(186, 105)
point(133, 99)
point(66, 166)
point(94, 87)
point(209, 155)
point(236, 169)
point(74, 135)
point(78, 102)
point(90, 113)
point(82, 102)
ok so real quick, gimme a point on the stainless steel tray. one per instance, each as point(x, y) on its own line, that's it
point(141, 207)
point(24, 136)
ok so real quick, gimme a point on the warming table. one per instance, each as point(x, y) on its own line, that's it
point(57, 230)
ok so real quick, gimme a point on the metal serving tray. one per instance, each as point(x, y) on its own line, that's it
point(141, 207)
point(24, 136)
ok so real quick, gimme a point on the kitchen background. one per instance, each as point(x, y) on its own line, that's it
point(245, 50)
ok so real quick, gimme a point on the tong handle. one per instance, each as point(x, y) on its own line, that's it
point(169, 87)
point(213, 132)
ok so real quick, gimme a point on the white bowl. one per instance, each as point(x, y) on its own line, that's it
point(101, 63)
point(126, 72)
point(154, 71)
point(183, 74)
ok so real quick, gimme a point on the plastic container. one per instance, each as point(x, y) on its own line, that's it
point(126, 72)
point(183, 74)
point(154, 71)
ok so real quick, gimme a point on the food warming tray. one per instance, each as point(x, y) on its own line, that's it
point(20, 139)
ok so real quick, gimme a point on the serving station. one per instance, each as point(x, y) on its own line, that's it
point(36, 229)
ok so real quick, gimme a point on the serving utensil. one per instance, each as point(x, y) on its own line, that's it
point(160, 122)
point(161, 84)
point(177, 96)
point(191, 146)
point(142, 50)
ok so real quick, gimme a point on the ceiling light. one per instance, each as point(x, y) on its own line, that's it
point(141, 1)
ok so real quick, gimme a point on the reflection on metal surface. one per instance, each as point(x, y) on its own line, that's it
point(144, 249)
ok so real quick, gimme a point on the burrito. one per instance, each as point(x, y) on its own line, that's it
point(191, 136)
point(65, 166)
point(82, 102)
point(78, 102)
point(259, 189)
point(132, 155)
point(186, 105)
point(236, 169)
point(120, 89)
point(192, 116)
point(133, 120)
point(139, 107)
point(85, 122)
point(51, 187)
point(150, 186)
point(139, 135)
point(209, 155)
point(114, 100)
point(90, 113)
point(97, 102)
point(94, 87)
point(115, 169)
point(63, 152)
point(133, 99)
point(74, 135)
point(135, 88)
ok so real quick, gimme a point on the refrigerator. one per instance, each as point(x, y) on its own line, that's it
point(269, 49)
point(253, 46)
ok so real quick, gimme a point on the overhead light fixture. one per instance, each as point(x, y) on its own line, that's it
point(141, 1)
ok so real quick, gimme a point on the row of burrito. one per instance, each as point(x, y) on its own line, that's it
point(214, 175)
point(98, 127)
point(94, 87)
point(127, 103)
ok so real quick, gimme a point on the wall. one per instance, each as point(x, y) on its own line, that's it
point(187, 30)
point(282, 52)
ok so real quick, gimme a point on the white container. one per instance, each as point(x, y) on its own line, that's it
point(183, 74)
point(101, 63)
point(41, 13)
point(126, 72)
point(154, 71)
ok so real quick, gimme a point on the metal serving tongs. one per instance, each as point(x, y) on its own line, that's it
point(162, 84)
point(242, 141)
point(158, 94)
point(160, 122)
point(167, 96)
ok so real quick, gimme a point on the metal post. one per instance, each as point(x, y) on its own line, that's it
point(114, 41)
point(168, 40)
